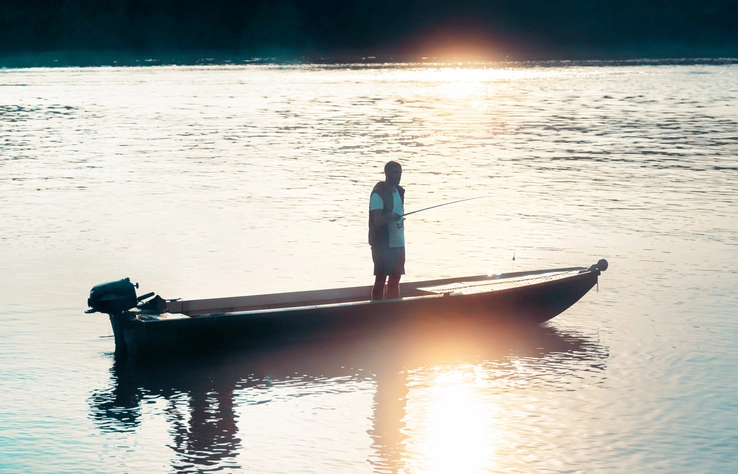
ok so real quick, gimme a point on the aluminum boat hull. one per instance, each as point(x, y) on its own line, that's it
point(227, 323)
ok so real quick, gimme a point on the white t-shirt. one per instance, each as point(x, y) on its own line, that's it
point(396, 235)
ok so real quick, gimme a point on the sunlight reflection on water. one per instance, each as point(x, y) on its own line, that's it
point(461, 433)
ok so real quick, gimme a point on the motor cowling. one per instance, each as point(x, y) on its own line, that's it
point(113, 297)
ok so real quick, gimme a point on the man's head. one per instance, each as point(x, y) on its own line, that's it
point(392, 173)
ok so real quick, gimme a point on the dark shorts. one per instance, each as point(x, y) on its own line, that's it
point(388, 260)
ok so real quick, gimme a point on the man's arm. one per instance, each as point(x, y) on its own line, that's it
point(383, 219)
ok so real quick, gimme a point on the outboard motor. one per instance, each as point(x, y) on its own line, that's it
point(116, 298)
point(113, 297)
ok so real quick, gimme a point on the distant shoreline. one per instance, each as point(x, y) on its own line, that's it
point(60, 59)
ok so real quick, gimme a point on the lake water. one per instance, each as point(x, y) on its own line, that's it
point(220, 181)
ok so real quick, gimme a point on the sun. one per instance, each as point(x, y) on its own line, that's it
point(456, 44)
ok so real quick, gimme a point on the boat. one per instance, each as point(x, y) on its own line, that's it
point(150, 325)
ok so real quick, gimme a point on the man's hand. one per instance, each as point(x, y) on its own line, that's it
point(384, 219)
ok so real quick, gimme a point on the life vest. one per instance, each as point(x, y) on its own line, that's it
point(379, 235)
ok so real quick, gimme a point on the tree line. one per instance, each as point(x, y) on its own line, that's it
point(521, 29)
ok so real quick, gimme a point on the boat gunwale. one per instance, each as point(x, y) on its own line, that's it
point(274, 303)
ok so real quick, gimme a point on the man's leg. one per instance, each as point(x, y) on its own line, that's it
point(378, 289)
point(393, 286)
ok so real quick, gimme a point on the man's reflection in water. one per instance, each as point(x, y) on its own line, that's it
point(386, 432)
point(200, 394)
point(404, 353)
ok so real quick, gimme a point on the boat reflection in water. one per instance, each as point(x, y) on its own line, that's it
point(422, 376)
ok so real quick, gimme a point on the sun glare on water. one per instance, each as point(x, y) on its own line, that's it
point(461, 81)
point(459, 432)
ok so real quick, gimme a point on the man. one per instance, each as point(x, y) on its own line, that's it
point(387, 232)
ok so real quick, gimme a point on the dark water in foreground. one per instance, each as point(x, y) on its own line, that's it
point(217, 181)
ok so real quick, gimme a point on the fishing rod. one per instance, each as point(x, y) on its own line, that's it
point(402, 217)
point(444, 204)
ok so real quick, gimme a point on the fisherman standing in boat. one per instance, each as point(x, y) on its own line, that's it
point(387, 232)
